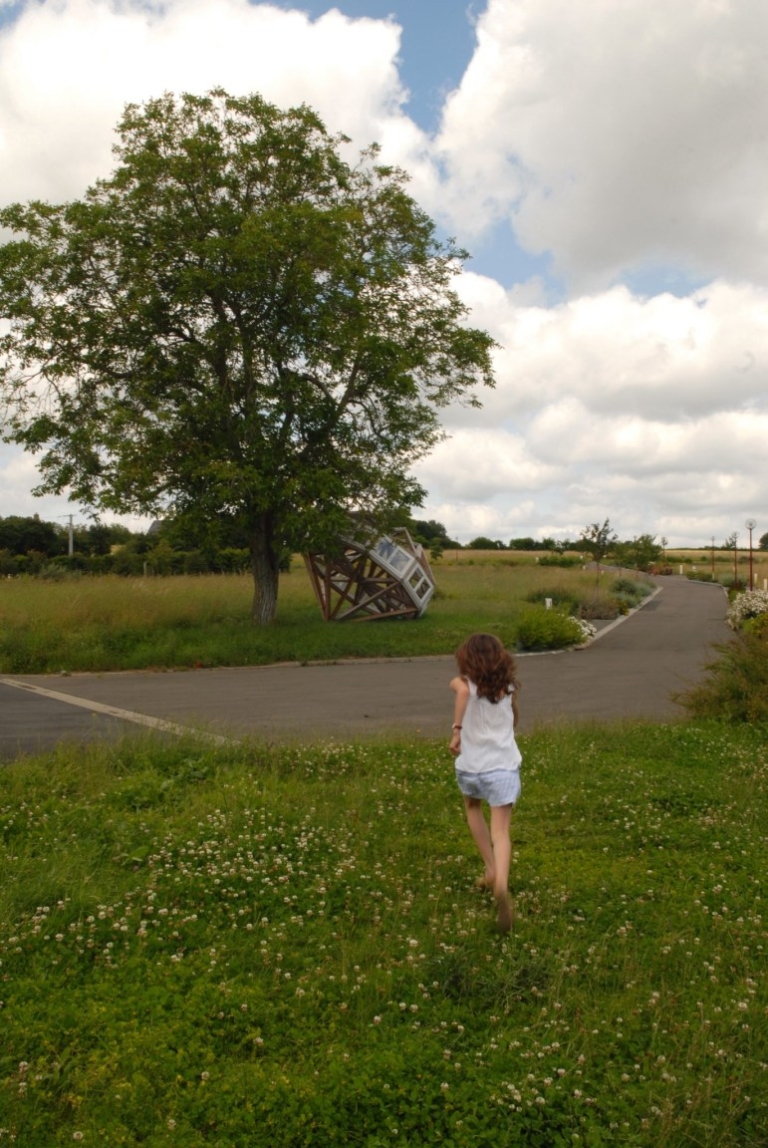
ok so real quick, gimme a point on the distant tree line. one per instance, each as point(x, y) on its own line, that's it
point(482, 543)
point(31, 546)
point(28, 544)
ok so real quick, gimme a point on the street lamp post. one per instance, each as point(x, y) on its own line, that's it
point(750, 525)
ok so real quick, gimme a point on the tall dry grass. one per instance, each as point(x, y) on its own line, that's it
point(113, 623)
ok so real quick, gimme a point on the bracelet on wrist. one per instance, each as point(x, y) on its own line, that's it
point(456, 727)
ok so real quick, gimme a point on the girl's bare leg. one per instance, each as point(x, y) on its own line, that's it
point(478, 827)
point(501, 816)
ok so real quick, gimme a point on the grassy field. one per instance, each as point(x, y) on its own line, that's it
point(723, 567)
point(284, 947)
point(113, 623)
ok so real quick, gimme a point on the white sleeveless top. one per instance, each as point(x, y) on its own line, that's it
point(488, 735)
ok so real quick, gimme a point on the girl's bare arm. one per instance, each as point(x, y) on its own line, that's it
point(461, 690)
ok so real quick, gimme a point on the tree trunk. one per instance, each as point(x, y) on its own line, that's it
point(265, 566)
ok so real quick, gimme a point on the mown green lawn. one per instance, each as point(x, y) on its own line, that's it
point(282, 947)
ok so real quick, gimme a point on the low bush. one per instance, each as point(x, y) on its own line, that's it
point(625, 603)
point(565, 599)
point(598, 604)
point(541, 629)
point(628, 593)
point(750, 604)
point(631, 588)
point(700, 576)
point(565, 561)
point(735, 685)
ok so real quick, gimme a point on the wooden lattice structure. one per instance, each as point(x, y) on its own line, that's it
point(390, 578)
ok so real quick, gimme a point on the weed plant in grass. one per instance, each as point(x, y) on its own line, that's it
point(734, 687)
point(283, 947)
point(112, 623)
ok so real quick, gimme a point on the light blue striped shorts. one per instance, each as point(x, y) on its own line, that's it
point(496, 786)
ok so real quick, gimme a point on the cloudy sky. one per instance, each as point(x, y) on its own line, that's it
point(604, 162)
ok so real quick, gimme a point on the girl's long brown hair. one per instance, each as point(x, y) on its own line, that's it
point(483, 660)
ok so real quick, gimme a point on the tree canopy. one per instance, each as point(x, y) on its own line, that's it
point(599, 540)
point(641, 553)
point(20, 535)
point(237, 325)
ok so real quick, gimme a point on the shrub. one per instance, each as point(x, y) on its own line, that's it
point(563, 560)
point(562, 599)
point(70, 562)
point(598, 605)
point(483, 543)
point(195, 562)
point(631, 587)
point(758, 625)
point(588, 631)
point(628, 593)
point(52, 572)
point(750, 604)
point(540, 629)
point(128, 563)
point(700, 576)
point(624, 603)
point(10, 564)
point(735, 687)
point(231, 560)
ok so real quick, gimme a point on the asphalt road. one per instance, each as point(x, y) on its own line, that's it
point(628, 672)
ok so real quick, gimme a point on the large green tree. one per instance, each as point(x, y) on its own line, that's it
point(237, 324)
point(19, 535)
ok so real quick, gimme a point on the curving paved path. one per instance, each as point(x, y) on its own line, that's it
point(628, 672)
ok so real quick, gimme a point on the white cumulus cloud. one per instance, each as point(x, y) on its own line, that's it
point(68, 68)
point(614, 405)
point(617, 135)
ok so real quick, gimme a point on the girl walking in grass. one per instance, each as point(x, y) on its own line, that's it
point(487, 756)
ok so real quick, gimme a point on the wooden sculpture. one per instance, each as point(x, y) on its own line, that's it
point(390, 578)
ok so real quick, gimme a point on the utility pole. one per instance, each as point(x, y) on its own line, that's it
point(71, 532)
point(750, 525)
